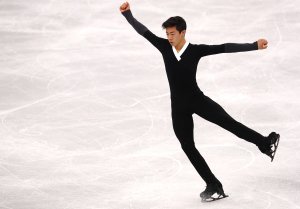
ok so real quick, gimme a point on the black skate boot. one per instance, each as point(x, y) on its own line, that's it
point(213, 191)
point(271, 146)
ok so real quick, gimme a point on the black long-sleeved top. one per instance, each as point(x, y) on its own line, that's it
point(182, 74)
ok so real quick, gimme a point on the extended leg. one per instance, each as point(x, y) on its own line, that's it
point(213, 112)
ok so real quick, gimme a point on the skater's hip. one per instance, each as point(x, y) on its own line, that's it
point(185, 96)
point(186, 101)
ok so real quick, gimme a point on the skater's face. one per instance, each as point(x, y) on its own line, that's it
point(174, 36)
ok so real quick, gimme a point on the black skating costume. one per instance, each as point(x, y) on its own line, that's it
point(187, 98)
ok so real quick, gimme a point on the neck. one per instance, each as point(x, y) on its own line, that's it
point(179, 46)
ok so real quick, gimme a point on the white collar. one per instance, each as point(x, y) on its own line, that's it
point(178, 54)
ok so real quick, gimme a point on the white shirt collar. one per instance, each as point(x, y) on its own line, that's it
point(178, 54)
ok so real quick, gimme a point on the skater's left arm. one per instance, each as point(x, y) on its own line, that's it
point(205, 50)
point(259, 44)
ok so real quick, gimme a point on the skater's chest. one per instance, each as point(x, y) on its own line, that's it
point(182, 61)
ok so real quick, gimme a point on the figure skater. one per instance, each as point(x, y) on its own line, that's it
point(181, 59)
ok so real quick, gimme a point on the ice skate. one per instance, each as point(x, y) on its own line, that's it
point(271, 148)
point(213, 192)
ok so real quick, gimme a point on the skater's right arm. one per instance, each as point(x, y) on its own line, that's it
point(140, 28)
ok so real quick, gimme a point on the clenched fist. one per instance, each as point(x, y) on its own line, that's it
point(124, 7)
point(262, 43)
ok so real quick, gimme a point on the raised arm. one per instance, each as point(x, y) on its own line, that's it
point(206, 50)
point(140, 28)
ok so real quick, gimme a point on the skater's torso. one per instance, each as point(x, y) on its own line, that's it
point(181, 73)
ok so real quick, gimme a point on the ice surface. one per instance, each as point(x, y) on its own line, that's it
point(85, 108)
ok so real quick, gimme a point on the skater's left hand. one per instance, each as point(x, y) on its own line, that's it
point(262, 43)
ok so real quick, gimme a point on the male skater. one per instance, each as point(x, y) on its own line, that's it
point(181, 59)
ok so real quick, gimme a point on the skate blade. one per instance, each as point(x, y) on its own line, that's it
point(275, 148)
point(212, 199)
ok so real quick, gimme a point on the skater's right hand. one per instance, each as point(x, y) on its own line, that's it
point(124, 7)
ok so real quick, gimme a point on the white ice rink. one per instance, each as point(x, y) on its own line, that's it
point(86, 116)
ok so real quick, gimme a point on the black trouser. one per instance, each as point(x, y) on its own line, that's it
point(206, 108)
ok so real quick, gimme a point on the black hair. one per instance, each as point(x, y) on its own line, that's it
point(177, 21)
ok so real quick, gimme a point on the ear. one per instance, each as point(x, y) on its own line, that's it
point(183, 32)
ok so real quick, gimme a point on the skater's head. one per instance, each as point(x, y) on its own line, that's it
point(175, 29)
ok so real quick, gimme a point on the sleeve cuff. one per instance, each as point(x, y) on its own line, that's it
point(255, 44)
